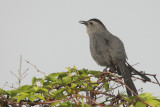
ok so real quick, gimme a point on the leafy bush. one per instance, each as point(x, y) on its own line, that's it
point(74, 88)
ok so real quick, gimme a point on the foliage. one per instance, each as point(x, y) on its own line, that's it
point(82, 88)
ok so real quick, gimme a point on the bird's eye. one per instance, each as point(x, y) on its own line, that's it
point(91, 23)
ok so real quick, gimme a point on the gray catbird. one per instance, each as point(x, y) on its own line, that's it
point(108, 50)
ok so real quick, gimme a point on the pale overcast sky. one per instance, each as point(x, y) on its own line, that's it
point(47, 33)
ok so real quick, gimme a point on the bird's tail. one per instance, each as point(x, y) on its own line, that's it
point(131, 69)
point(126, 74)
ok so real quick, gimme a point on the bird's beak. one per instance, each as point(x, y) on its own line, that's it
point(83, 22)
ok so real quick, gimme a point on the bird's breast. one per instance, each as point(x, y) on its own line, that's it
point(98, 49)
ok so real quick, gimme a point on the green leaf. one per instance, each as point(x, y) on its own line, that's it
point(129, 98)
point(85, 84)
point(42, 90)
point(58, 82)
point(80, 82)
point(59, 96)
point(36, 88)
point(148, 96)
point(12, 93)
point(34, 79)
point(3, 92)
point(84, 75)
point(94, 72)
point(83, 71)
point(82, 102)
point(106, 86)
point(154, 103)
point(145, 96)
point(52, 77)
point(86, 105)
point(73, 85)
point(69, 90)
point(75, 77)
point(30, 90)
point(63, 74)
point(54, 104)
point(90, 88)
point(140, 104)
point(58, 91)
point(95, 83)
point(81, 89)
point(40, 80)
point(64, 104)
point(40, 97)
point(66, 80)
point(48, 86)
point(22, 96)
point(24, 88)
point(31, 98)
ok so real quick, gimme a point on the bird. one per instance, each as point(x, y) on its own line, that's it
point(108, 50)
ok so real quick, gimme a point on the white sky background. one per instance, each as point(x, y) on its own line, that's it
point(47, 33)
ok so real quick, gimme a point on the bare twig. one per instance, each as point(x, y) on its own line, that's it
point(129, 88)
point(14, 74)
point(25, 71)
point(104, 93)
point(92, 101)
point(135, 64)
point(147, 81)
point(115, 87)
point(20, 72)
point(156, 79)
point(36, 68)
point(37, 103)
point(20, 76)
point(87, 93)
point(10, 86)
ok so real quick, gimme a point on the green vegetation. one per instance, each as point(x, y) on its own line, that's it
point(74, 88)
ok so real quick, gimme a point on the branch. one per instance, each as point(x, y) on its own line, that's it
point(129, 88)
point(36, 68)
point(92, 101)
point(37, 103)
point(147, 81)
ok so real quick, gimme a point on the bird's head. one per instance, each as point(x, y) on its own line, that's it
point(94, 26)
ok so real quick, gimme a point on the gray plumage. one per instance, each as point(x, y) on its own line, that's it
point(108, 50)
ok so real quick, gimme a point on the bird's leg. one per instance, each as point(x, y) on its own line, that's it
point(102, 76)
point(112, 69)
point(118, 71)
point(105, 69)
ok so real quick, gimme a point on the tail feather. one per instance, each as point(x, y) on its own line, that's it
point(127, 78)
point(138, 73)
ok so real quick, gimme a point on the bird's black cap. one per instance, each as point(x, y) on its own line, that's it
point(98, 21)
